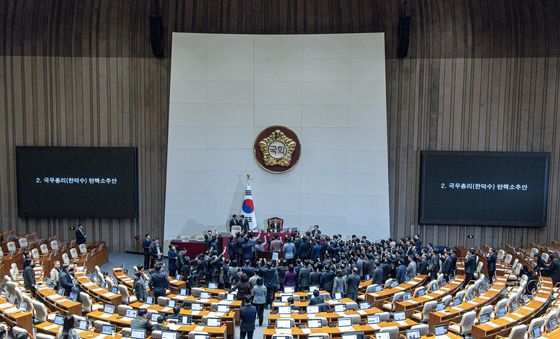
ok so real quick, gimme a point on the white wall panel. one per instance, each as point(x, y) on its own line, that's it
point(330, 89)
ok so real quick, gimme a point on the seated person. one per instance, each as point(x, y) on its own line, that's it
point(317, 298)
point(175, 315)
point(140, 322)
point(160, 326)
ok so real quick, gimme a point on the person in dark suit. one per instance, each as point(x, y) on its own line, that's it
point(146, 243)
point(491, 264)
point(140, 322)
point(29, 278)
point(470, 265)
point(401, 272)
point(378, 275)
point(176, 313)
point(155, 252)
point(139, 287)
point(303, 278)
point(80, 235)
point(275, 226)
point(317, 298)
point(327, 279)
point(66, 280)
point(446, 267)
point(352, 284)
point(247, 316)
point(315, 277)
point(244, 223)
point(172, 260)
point(158, 281)
point(160, 326)
point(233, 222)
point(553, 269)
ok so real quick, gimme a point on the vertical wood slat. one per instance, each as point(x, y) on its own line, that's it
point(479, 76)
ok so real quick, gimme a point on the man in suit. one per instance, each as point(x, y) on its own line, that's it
point(146, 243)
point(378, 274)
point(303, 278)
point(447, 268)
point(352, 284)
point(158, 281)
point(244, 223)
point(80, 235)
point(327, 279)
point(66, 280)
point(247, 315)
point(155, 252)
point(140, 322)
point(553, 269)
point(271, 281)
point(160, 326)
point(401, 272)
point(233, 222)
point(470, 265)
point(139, 287)
point(317, 298)
point(491, 264)
point(29, 278)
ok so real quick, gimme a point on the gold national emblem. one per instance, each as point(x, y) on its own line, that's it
point(277, 149)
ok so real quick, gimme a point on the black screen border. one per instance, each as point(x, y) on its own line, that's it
point(134, 151)
point(468, 222)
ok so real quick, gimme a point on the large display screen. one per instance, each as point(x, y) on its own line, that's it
point(77, 182)
point(484, 188)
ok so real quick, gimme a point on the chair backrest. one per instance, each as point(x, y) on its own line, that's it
point(371, 288)
point(74, 253)
point(44, 336)
point(124, 293)
point(126, 332)
point(41, 311)
point(447, 300)
point(65, 258)
point(398, 297)
point(35, 254)
point(545, 256)
point(460, 294)
point(423, 328)
point(500, 304)
point(384, 316)
point(507, 259)
point(552, 315)
point(19, 330)
point(487, 309)
point(98, 324)
point(428, 307)
point(430, 285)
point(86, 302)
point(83, 248)
point(388, 283)
point(192, 334)
point(467, 321)
point(163, 301)
point(536, 322)
point(518, 332)
point(121, 309)
point(356, 319)
point(23, 243)
point(534, 251)
point(54, 245)
point(501, 254)
point(417, 291)
point(11, 247)
point(109, 283)
point(479, 266)
point(44, 249)
point(392, 330)
point(28, 302)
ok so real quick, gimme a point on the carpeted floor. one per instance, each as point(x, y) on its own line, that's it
point(129, 260)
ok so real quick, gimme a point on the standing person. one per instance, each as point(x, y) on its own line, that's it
point(303, 278)
point(243, 287)
point(446, 268)
point(80, 235)
point(244, 223)
point(155, 252)
point(233, 222)
point(470, 265)
point(289, 251)
point(67, 331)
point(353, 284)
point(139, 287)
point(270, 278)
point(259, 299)
point(172, 261)
point(146, 243)
point(66, 280)
point(491, 262)
point(290, 277)
point(29, 278)
point(158, 282)
point(55, 274)
point(339, 283)
point(433, 265)
point(247, 315)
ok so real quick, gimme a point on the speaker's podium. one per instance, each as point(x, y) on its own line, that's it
point(275, 224)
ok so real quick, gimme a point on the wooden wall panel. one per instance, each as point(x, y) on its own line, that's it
point(481, 75)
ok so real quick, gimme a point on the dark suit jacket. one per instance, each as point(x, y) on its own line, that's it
point(470, 264)
point(491, 261)
point(378, 276)
point(80, 237)
point(140, 289)
point(316, 300)
point(28, 277)
point(65, 281)
point(140, 323)
point(247, 315)
point(447, 268)
point(159, 282)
